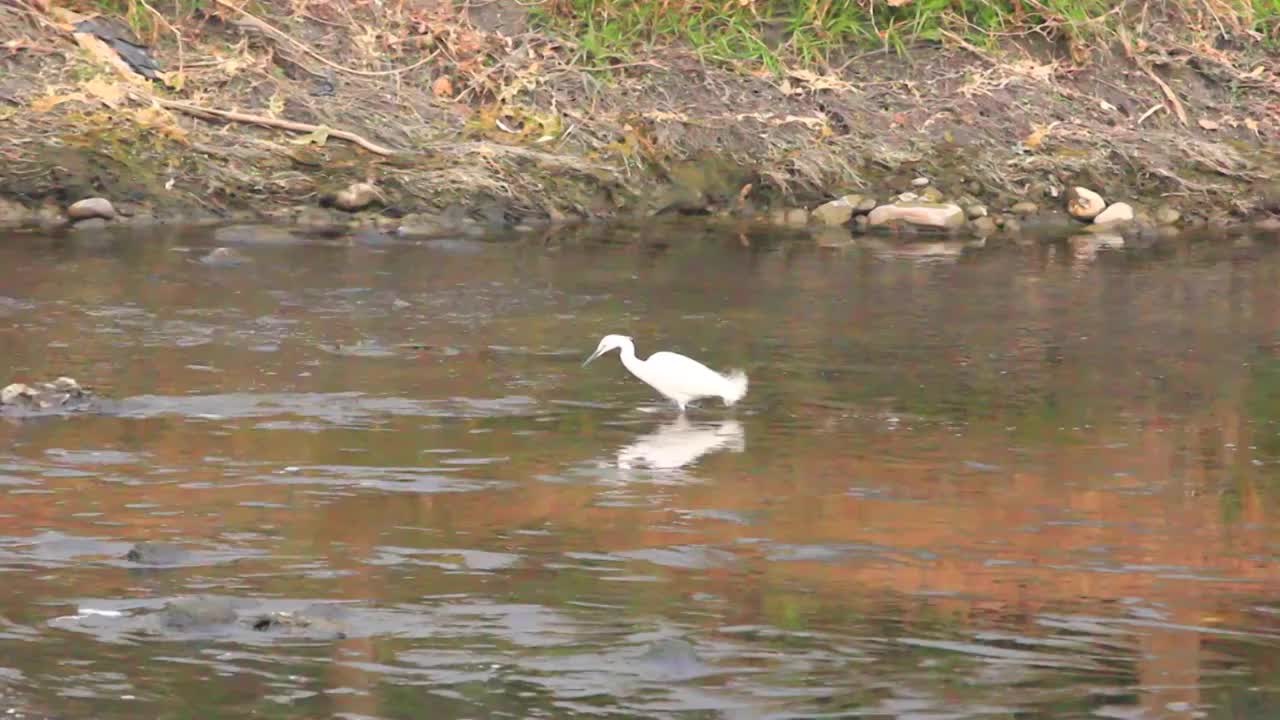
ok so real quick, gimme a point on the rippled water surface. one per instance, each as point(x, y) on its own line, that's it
point(376, 481)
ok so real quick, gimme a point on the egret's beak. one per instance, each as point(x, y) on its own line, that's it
point(594, 355)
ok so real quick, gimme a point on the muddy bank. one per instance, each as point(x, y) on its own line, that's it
point(432, 122)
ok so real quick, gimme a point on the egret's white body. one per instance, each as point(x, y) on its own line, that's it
point(681, 379)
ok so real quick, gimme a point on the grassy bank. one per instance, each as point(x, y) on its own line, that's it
point(773, 33)
point(606, 108)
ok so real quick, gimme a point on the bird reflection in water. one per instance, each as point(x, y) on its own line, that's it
point(679, 443)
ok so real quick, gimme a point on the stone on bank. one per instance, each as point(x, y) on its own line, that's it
point(936, 215)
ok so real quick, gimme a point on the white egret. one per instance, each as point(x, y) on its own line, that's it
point(679, 378)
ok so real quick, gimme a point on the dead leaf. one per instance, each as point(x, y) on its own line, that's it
point(1251, 124)
point(1037, 136)
point(175, 80)
point(111, 94)
point(162, 121)
point(442, 87)
point(899, 3)
point(45, 103)
point(319, 136)
point(1208, 124)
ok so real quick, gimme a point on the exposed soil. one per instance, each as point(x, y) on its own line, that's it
point(507, 127)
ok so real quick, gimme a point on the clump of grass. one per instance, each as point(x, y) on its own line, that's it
point(771, 33)
point(147, 19)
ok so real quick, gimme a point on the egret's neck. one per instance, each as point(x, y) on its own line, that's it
point(627, 351)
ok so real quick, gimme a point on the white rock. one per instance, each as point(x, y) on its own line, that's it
point(12, 392)
point(95, 207)
point(920, 182)
point(1084, 204)
point(66, 384)
point(940, 215)
point(1115, 213)
point(834, 213)
point(356, 197)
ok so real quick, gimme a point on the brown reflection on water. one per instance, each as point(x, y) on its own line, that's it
point(992, 440)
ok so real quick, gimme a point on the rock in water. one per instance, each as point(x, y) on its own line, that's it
point(1115, 213)
point(939, 215)
point(12, 392)
point(156, 553)
point(422, 225)
point(90, 208)
point(44, 398)
point(983, 226)
point(197, 612)
point(1167, 215)
point(13, 213)
point(1083, 203)
point(356, 197)
point(836, 212)
point(224, 257)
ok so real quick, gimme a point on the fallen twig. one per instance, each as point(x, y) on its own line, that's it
point(1150, 111)
point(1164, 86)
point(204, 112)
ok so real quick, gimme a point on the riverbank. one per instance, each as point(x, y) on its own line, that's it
point(427, 119)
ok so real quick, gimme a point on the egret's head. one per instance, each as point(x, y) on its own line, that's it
point(607, 343)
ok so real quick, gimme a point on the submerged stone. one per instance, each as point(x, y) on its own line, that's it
point(197, 612)
point(157, 553)
point(315, 620)
point(224, 257)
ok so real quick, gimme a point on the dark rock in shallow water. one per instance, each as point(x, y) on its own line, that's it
point(316, 620)
point(670, 659)
point(149, 553)
point(197, 613)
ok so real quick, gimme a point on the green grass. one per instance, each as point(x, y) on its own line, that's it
point(145, 23)
point(773, 33)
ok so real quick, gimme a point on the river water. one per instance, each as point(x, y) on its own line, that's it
point(967, 482)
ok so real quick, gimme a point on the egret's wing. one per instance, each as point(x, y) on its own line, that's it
point(677, 374)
